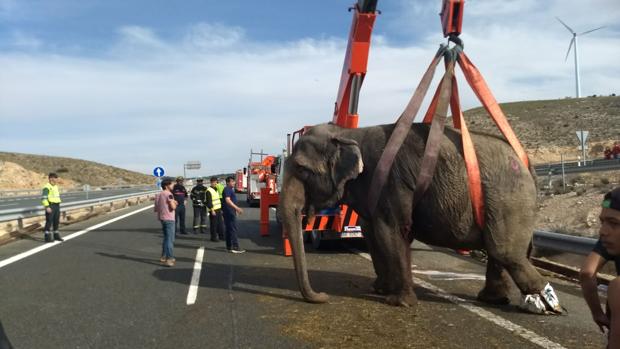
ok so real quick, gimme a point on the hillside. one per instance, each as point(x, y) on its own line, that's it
point(73, 170)
point(547, 128)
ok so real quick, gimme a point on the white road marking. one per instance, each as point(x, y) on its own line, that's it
point(45, 246)
point(449, 276)
point(193, 286)
point(485, 314)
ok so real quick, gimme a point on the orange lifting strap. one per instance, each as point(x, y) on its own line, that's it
point(435, 116)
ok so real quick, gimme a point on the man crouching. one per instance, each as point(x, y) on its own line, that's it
point(607, 249)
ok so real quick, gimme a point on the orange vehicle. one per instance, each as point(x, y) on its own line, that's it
point(342, 221)
point(241, 181)
point(257, 174)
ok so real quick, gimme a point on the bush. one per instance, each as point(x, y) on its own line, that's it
point(605, 180)
point(62, 170)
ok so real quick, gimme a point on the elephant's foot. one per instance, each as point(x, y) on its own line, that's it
point(380, 287)
point(497, 296)
point(404, 299)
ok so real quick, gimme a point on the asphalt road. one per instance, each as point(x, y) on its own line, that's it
point(106, 289)
point(32, 201)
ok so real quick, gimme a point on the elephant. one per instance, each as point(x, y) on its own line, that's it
point(330, 165)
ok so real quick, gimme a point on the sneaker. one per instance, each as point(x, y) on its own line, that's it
point(48, 238)
point(163, 259)
point(57, 237)
point(170, 262)
point(237, 250)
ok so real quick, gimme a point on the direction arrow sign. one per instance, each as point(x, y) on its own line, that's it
point(158, 171)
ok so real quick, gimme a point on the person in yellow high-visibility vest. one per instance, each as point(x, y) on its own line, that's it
point(51, 201)
point(214, 205)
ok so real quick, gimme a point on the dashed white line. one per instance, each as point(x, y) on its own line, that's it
point(44, 247)
point(485, 314)
point(192, 294)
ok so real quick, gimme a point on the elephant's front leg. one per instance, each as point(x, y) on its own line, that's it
point(379, 261)
point(396, 249)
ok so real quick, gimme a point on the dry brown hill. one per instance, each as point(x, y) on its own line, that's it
point(547, 128)
point(78, 171)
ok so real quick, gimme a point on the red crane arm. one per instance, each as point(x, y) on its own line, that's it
point(355, 63)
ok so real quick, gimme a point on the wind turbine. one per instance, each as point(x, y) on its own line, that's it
point(574, 41)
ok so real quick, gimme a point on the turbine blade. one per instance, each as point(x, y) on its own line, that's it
point(590, 31)
point(569, 47)
point(564, 24)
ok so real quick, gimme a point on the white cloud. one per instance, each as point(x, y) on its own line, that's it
point(207, 36)
point(24, 41)
point(215, 93)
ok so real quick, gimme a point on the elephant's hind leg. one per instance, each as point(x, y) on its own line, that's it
point(497, 283)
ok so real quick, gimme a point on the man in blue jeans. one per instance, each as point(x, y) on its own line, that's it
point(165, 206)
point(231, 210)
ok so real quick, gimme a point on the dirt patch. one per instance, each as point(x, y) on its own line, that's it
point(547, 128)
point(79, 171)
point(576, 210)
point(16, 177)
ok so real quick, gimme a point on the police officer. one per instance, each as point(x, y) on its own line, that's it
point(199, 199)
point(180, 195)
point(51, 201)
point(214, 206)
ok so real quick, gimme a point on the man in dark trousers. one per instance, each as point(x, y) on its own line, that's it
point(180, 195)
point(607, 249)
point(199, 199)
point(51, 201)
point(214, 206)
point(231, 210)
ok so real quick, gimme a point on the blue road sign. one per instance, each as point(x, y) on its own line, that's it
point(158, 171)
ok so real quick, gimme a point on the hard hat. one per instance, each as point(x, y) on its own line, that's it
point(199, 179)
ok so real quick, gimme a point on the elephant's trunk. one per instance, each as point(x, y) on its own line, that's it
point(292, 201)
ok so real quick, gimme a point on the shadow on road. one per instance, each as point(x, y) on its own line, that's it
point(139, 259)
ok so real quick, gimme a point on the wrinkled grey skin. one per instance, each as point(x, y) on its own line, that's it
point(331, 165)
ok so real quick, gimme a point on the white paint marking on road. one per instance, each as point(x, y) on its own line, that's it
point(45, 246)
point(192, 294)
point(485, 314)
point(449, 276)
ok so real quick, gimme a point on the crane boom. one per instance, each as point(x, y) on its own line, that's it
point(355, 63)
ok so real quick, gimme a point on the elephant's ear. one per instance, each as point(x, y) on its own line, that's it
point(346, 163)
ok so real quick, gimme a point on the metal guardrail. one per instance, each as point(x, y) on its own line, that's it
point(573, 167)
point(563, 243)
point(37, 192)
point(29, 212)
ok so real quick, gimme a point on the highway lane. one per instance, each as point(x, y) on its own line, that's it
point(106, 289)
point(32, 201)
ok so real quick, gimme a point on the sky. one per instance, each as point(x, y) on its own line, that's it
point(145, 83)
